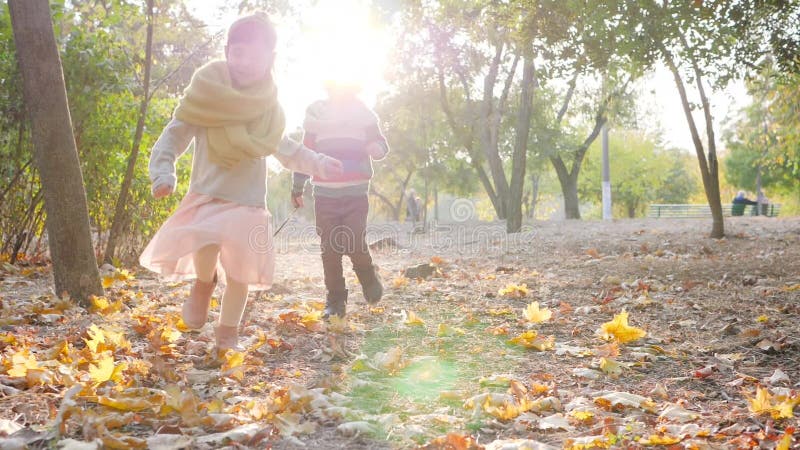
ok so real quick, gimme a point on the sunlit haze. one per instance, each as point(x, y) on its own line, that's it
point(335, 41)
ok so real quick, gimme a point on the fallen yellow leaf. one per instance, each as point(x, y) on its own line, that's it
point(96, 337)
point(619, 329)
point(508, 411)
point(103, 370)
point(514, 291)
point(786, 440)
point(21, 362)
point(311, 317)
point(610, 367)
point(779, 407)
point(500, 311)
point(400, 282)
point(232, 365)
point(412, 319)
point(531, 339)
point(583, 416)
point(536, 315)
point(660, 439)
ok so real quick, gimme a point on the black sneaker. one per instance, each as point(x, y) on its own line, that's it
point(370, 284)
point(335, 304)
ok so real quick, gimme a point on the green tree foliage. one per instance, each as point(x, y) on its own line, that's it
point(763, 143)
point(102, 51)
point(642, 172)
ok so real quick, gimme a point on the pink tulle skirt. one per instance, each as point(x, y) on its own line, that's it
point(243, 233)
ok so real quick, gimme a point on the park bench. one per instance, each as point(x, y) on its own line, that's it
point(699, 211)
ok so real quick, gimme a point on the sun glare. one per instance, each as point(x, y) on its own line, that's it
point(340, 43)
point(329, 40)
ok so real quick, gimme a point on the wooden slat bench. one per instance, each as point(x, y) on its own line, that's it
point(699, 211)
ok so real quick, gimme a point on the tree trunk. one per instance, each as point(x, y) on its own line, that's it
point(74, 264)
point(120, 220)
point(709, 168)
point(569, 187)
point(519, 158)
point(569, 179)
point(466, 142)
point(489, 135)
point(534, 196)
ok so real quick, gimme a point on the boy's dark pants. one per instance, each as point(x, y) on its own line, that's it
point(342, 228)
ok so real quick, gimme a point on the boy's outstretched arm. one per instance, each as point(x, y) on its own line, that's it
point(298, 187)
point(377, 147)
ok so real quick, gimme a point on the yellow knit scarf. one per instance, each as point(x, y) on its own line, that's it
point(242, 123)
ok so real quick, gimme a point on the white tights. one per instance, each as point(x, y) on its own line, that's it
point(235, 297)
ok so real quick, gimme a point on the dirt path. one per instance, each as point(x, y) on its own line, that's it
point(450, 353)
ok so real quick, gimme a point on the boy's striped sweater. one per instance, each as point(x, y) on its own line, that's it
point(341, 129)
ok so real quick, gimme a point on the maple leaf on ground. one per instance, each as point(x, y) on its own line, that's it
point(536, 315)
point(501, 311)
point(778, 406)
point(411, 318)
point(507, 410)
point(582, 416)
point(785, 442)
point(21, 362)
point(134, 399)
point(400, 282)
point(103, 305)
point(232, 365)
point(531, 339)
point(660, 439)
point(103, 339)
point(610, 367)
point(514, 291)
point(105, 370)
point(311, 318)
point(619, 329)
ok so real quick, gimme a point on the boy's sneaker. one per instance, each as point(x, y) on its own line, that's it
point(335, 304)
point(370, 283)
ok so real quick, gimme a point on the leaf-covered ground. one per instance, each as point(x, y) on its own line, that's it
point(489, 342)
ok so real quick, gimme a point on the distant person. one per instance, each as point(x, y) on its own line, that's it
point(343, 127)
point(230, 110)
point(420, 209)
point(412, 206)
point(740, 202)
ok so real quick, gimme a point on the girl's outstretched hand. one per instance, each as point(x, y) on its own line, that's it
point(332, 168)
point(162, 190)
